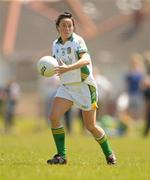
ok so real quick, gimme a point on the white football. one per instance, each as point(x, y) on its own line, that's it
point(46, 66)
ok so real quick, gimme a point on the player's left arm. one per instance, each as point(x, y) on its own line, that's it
point(83, 61)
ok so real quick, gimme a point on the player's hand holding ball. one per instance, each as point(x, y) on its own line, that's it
point(62, 68)
point(47, 66)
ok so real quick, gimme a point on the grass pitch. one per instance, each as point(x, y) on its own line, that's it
point(23, 156)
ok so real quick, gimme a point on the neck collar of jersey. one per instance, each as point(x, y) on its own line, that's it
point(69, 39)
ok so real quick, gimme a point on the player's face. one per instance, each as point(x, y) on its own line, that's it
point(65, 28)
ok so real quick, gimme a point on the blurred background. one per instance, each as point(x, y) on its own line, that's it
point(116, 32)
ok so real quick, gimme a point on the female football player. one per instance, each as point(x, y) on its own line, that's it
point(77, 87)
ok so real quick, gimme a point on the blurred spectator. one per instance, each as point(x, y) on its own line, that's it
point(146, 92)
point(2, 99)
point(122, 111)
point(104, 93)
point(12, 92)
point(133, 80)
point(112, 126)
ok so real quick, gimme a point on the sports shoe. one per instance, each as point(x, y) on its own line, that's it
point(111, 159)
point(57, 159)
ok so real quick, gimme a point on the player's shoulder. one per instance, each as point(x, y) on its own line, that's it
point(78, 40)
point(77, 37)
point(55, 42)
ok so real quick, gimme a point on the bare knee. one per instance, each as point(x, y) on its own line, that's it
point(54, 119)
point(91, 128)
point(95, 130)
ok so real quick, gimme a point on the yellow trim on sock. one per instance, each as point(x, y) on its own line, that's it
point(58, 131)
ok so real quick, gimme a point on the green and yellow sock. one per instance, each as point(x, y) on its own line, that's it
point(103, 142)
point(59, 138)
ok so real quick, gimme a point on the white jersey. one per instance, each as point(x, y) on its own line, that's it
point(69, 54)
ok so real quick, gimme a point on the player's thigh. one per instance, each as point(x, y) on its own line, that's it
point(60, 106)
point(89, 117)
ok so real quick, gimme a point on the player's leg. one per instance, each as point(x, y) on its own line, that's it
point(89, 118)
point(59, 107)
point(68, 121)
